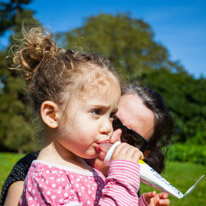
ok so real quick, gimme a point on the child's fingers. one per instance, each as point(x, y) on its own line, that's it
point(137, 154)
point(164, 202)
point(149, 195)
point(163, 195)
point(120, 151)
point(125, 151)
point(154, 199)
point(131, 152)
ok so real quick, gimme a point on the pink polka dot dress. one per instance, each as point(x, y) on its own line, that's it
point(50, 184)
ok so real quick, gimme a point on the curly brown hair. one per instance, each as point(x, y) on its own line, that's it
point(51, 72)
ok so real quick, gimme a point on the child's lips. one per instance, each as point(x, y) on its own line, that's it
point(98, 149)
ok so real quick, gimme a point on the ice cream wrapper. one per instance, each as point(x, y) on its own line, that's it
point(148, 175)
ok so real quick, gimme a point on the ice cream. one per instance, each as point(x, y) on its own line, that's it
point(147, 174)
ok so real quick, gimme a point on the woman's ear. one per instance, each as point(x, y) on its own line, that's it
point(50, 114)
point(146, 153)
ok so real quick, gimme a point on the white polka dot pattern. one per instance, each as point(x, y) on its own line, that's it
point(55, 186)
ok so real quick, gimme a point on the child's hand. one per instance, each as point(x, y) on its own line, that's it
point(154, 199)
point(125, 151)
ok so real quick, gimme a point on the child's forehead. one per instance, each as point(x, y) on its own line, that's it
point(103, 99)
point(98, 83)
point(101, 88)
point(101, 91)
point(98, 80)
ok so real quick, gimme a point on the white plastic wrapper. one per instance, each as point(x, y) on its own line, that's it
point(148, 175)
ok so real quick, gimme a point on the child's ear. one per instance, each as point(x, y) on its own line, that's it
point(50, 114)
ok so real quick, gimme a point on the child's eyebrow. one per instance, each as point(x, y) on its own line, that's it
point(99, 105)
point(103, 106)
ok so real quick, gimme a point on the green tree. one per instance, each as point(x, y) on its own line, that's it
point(185, 97)
point(9, 13)
point(16, 128)
point(128, 42)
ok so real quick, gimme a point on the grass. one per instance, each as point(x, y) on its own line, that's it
point(7, 161)
point(181, 175)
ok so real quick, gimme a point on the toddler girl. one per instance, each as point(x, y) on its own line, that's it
point(76, 97)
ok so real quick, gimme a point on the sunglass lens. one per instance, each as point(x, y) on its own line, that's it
point(128, 135)
point(132, 138)
point(116, 123)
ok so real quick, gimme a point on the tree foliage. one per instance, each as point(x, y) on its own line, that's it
point(128, 42)
point(10, 13)
point(16, 127)
point(185, 98)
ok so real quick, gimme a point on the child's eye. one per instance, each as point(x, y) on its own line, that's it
point(97, 111)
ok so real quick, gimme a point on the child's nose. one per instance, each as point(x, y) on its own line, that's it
point(106, 127)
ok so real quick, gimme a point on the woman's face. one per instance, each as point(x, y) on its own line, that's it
point(135, 115)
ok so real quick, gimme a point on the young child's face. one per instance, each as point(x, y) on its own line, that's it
point(88, 121)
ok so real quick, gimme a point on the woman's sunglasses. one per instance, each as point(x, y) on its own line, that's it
point(130, 136)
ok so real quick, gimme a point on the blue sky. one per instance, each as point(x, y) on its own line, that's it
point(179, 25)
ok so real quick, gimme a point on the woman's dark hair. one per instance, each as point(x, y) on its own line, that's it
point(163, 123)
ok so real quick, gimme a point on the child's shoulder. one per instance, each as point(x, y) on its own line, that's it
point(49, 175)
point(48, 168)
